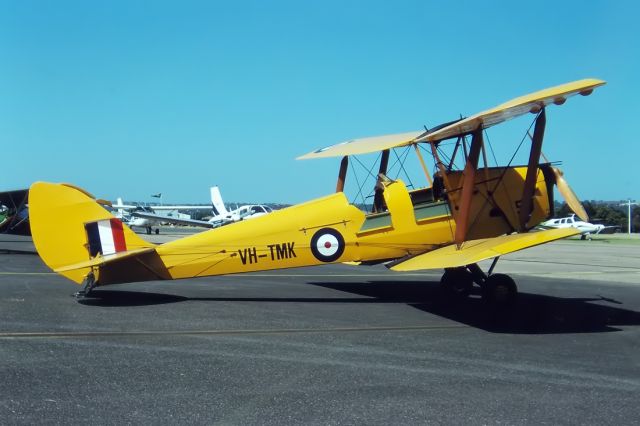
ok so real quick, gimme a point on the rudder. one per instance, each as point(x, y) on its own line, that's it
point(68, 227)
point(216, 201)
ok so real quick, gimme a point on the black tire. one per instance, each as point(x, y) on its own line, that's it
point(499, 290)
point(148, 230)
point(157, 231)
point(457, 282)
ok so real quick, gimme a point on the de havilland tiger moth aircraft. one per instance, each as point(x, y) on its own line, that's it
point(464, 215)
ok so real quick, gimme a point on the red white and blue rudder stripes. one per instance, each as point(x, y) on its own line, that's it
point(105, 237)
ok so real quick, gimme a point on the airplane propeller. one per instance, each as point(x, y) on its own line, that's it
point(569, 196)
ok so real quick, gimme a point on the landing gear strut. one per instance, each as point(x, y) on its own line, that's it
point(457, 282)
point(498, 290)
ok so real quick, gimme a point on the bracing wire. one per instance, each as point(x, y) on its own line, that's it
point(493, 154)
point(355, 176)
point(369, 172)
point(400, 160)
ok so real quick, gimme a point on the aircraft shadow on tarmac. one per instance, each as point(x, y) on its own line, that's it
point(532, 314)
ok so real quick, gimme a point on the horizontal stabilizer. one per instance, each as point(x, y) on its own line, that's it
point(102, 260)
point(475, 251)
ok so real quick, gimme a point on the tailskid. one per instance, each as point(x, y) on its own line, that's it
point(89, 284)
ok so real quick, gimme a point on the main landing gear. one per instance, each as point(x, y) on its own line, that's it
point(498, 290)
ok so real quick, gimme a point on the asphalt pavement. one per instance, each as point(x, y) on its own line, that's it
point(327, 345)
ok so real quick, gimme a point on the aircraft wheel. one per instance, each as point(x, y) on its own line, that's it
point(583, 237)
point(499, 290)
point(457, 282)
point(148, 230)
point(157, 231)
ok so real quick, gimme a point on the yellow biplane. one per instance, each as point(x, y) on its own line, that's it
point(461, 217)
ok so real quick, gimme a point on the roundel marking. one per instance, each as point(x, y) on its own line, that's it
point(327, 245)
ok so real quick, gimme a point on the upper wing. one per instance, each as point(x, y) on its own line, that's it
point(533, 102)
point(364, 145)
point(13, 198)
point(475, 251)
point(506, 111)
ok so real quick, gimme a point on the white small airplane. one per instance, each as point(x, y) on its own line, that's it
point(127, 213)
point(141, 217)
point(586, 229)
point(249, 211)
point(147, 217)
point(129, 217)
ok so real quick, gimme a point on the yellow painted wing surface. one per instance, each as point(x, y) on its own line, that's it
point(364, 145)
point(506, 111)
point(514, 108)
point(475, 251)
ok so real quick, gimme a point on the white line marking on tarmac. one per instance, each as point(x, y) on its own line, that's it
point(27, 273)
point(72, 334)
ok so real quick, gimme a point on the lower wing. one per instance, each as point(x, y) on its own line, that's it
point(176, 221)
point(475, 251)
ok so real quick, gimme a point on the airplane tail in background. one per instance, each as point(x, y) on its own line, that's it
point(120, 209)
point(216, 201)
point(72, 232)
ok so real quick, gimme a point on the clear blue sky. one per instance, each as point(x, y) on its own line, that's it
point(132, 98)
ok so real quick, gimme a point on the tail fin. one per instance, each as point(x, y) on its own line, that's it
point(216, 200)
point(120, 209)
point(69, 227)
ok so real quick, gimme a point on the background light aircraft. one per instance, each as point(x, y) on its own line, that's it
point(462, 216)
point(585, 228)
point(130, 218)
point(14, 212)
point(221, 216)
point(249, 211)
point(146, 217)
